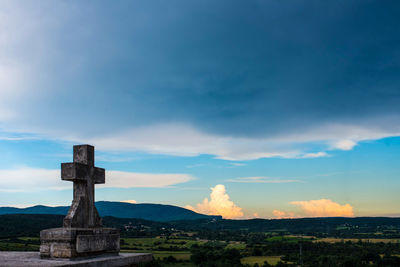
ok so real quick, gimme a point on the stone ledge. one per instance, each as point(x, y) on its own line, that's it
point(32, 259)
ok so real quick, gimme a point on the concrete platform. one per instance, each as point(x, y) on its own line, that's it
point(32, 259)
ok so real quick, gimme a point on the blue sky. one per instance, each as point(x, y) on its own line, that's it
point(266, 108)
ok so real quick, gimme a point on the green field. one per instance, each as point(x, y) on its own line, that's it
point(163, 248)
point(355, 240)
point(158, 243)
point(179, 255)
point(273, 260)
point(236, 245)
point(288, 238)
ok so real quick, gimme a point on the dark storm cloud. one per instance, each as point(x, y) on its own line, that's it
point(243, 68)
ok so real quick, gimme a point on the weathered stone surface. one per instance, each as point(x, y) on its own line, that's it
point(32, 259)
point(84, 154)
point(85, 175)
point(78, 242)
point(77, 171)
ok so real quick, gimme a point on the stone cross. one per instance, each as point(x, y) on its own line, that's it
point(83, 213)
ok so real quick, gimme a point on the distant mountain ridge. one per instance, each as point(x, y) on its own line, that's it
point(151, 212)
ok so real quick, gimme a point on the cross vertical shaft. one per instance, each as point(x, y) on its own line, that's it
point(84, 175)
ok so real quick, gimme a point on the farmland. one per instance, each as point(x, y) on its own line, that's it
point(312, 242)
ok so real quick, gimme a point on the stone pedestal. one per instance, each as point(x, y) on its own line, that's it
point(78, 242)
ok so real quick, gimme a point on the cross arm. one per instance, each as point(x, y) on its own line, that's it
point(81, 172)
point(74, 171)
point(99, 175)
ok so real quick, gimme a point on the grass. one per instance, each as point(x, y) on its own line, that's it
point(273, 260)
point(179, 255)
point(354, 240)
point(159, 243)
point(287, 238)
point(236, 245)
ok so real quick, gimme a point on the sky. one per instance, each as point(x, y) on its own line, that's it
point(245, 109)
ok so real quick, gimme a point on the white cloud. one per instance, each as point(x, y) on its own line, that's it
point(345, 144)
point(132, 179)
point(315, 155)
point(131, 201)
point(30, 179)
point(219, 204)
point(238, 164)
point(317, 208)
point(278, 214)
point(11, 79)
point(324, 208)
point(184, 140)
point(262, 180)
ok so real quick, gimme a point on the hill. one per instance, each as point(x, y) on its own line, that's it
point(13, 225)
point(151, 212)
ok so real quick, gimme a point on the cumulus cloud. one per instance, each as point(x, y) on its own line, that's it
point(317, 208)
point(30, 179)
point(219, 204)
point(324, 208)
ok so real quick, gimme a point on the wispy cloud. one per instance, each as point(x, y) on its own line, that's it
point(185, 140)
point(320, 154)
point(219, 204)
point(11, 136)
point(31, 179)
point(237, 164)
point(132, 179)
point(195, 165)
point(262, 180)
